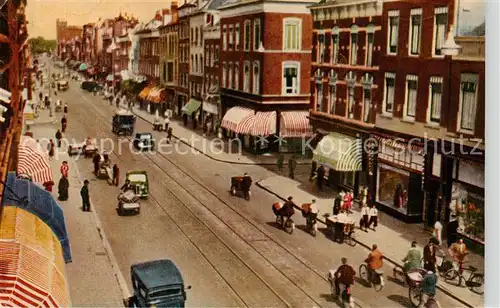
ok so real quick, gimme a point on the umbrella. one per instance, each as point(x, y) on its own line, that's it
point(33, 161)
point(83, 67)
point(109, 78)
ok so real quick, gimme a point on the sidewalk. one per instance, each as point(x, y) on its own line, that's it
point(217, 151)
point(393, 243)
point(91, 276)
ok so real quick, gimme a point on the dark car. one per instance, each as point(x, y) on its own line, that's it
point(123, 122)
point(157, 283)
point(144, 141)
point(91, 86)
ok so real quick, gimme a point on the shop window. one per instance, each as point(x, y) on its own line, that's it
point(353, 58)
point(440, 26)
point(392, 187)
point(467, 203)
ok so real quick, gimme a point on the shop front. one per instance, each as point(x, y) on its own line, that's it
point(190, 112)
point(143, 95)
point(156, 100)
point(399, 180)
point(342, 157)
point(295, 132)
point(211, 107)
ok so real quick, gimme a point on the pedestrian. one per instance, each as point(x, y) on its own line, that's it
point(280, 162)
point(65, 109)
point(169, 135)
point(96, 160)
point(48, 186)
point(451, 231)
point(292, 163)
point(58, 138)
point(438, 231)
point(365, 217)
point(349, 196)
point(320, 177)
point(166, 122)
point(84, 193)
point(209, 126)
point(64, 123)
point(337, 206)
point(458, 251)
point(373, 213)
point(63, 188)
point(51, 148)
point(116, 175)
point(430, 255)
point(65, 169)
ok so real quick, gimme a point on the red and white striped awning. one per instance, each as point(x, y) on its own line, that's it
point(260, 124)
point(34, 161)
point(234, 116)
point(295, 124)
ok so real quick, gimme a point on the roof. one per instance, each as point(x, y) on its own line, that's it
point(123, 112)
point(157, 273)
point(215, 4)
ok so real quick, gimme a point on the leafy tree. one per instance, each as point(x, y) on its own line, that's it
point(40, 45)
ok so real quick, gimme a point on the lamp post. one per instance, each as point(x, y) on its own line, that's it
point(449, 49)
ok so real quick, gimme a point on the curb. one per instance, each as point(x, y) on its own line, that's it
point(218, 159)
point(321, 220)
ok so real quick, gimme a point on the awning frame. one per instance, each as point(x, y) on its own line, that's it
point(347, 152)
point(186, 109)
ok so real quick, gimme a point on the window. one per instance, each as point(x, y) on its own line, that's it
point(335, 45)
point(236, 76)
point(435, 100)
point(291, 77)
point(256, 77)
point(196, 40)
point(468, 102)
point(415, 31)
point(410, 106)
point(201, 64)
point(216, 53)
point(224, 37)
point(231, 37)
point(170, 72)
point(389, 88)
point(292, 34)
point(212, 56)
point(246, 35)
point(192, 36)
point(370, 36)
point(353, 58)
point(440, 25)
point(319, 91)
point(321, 48)
point(224, 74)
point(230, 77)
point(201, 35)
point(256, 34)
point(164, 77)
point(237, 37)
point(332, 91)
point(351, 83)
point(246, 76)
point(367, 97)
point(393, 29)
point(196, 68)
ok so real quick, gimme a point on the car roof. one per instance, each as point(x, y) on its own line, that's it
point(158, 273)
point(143, 134)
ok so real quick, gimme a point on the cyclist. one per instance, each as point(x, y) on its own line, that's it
point(412, 259)
point(374, 262)
point(429, 290)
point(344, 275)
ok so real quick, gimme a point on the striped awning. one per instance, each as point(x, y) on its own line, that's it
point(295, 124)
point(234, 116)
point(339, 152)
point(32, 270)
point(33, 161)
point(145, 92)
point(415, 145)
point(157, 95)
point(260, 124)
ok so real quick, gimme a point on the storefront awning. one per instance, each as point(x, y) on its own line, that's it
point(157, 95)
point(32, 271)
point(339, 152)
point(28, 196)
point(192, 106)
point(295, 124)
point(234, 116)
point(33, 161)
point(145, 92)
point(260, 124)
point(210, 107)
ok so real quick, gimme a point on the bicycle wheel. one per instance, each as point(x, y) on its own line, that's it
point(476, 283)
point(451, 274)
point(415, 296)
point(363, 272)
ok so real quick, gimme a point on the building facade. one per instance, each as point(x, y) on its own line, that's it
point(182, 94)
point(66, 36)
point(169, 55)
point(88, 46)
point(266, 63)
point(212, 72)
point(345, 85)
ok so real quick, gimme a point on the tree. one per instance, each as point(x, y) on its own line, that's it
point(479, 30)
point(40, 45)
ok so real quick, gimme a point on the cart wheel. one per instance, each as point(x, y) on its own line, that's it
point(363, 272)
point(233, 190)
point(138, 211)
point(350, 240)
point(415, 295)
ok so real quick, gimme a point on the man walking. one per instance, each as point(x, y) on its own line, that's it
point(58, 138)
point(166, 122)
point(292, 163)
point(116, 175)
point(96, 160)
point(64, 123)
point(84, 193)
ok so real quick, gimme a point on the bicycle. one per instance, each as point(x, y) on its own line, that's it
point(475, 283)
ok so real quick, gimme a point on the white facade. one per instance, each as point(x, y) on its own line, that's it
point(196, 41)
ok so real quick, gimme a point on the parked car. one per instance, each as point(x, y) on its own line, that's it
point(144, 141)
point(157, 283)
point(91, 86)
point(62, 85)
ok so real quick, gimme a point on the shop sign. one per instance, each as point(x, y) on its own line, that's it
point(471, 173)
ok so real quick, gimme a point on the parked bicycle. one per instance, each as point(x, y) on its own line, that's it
point(475, 282)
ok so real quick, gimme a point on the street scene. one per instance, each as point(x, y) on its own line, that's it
point(159, 160)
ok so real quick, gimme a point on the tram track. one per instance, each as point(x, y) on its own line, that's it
point(197, 185)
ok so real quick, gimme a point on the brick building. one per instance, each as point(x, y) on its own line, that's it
point(345, 85)
point(182, 94)
point(149, 49)
point(266, 63)
point(65, 35)
point(88, 46)
point(212, 73)
point(169, 55)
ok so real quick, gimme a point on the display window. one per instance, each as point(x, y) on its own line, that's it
point(392, 187)
point(467, 203)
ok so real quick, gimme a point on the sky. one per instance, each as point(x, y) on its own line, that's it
point(42, 14)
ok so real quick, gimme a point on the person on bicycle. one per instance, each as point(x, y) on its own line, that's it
point(344, 275)
point(413, 258)
point(458, 251)
point(127, 186)
point(428, 288)
point(374, 262)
